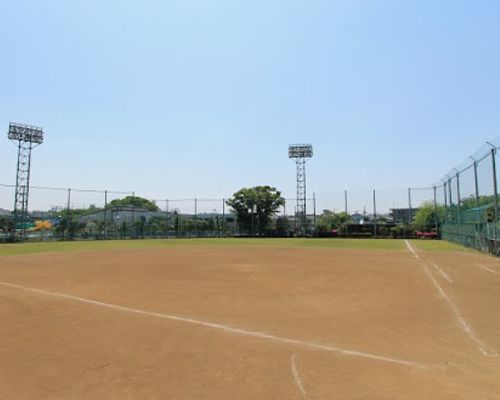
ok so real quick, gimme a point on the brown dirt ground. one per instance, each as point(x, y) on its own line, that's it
point(375, 302)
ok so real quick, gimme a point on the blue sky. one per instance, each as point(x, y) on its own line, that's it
point(176, 99)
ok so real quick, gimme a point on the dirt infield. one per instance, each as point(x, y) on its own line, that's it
point(250, 323)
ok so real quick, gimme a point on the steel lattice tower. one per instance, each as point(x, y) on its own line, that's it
point(301, 153)
point(27, 137)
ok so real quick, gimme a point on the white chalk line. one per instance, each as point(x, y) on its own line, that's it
point(465, 326)
point(443, 274)
point(296, 376)
point(412, 250)
point(221, 327)
point(488, 269)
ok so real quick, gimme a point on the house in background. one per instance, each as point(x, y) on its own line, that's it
point(357, 218)
point(403, 215)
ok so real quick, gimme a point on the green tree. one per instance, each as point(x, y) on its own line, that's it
point(211, 224)
point(135, 201)
point(6, 223)
point(329, 220)
point(68, 227)
point(123, 229)
point(471, 202)
point(425, 218)
point(486, 202)
point(282, 226)
point(254, 208)
point(157, 225)
point(177, 223)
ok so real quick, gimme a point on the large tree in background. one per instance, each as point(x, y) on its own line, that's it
point(254, 207)
point(136, 202)
point(425, 218)
point(329, 220)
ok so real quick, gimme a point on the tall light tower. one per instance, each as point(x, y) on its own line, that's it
point(301, 153)
point(27, 137)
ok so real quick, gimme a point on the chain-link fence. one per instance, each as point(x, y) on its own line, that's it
point(377, 212)
point(194, 218)
point(470, 194)
point(463, 207)
point(69, 213)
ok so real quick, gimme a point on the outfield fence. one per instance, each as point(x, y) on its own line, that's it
point(465, 210)
point(76, 213)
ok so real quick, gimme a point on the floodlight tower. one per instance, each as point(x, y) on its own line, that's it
point(27, 137)
point(301, 153)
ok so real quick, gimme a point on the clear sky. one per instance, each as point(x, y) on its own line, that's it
point(187, 98)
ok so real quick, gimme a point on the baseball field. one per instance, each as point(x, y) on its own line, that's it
point(248, 319)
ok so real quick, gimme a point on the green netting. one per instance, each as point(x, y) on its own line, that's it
point(473, 227)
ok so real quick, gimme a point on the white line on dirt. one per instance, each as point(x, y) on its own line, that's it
point(412, 250)
point(465, 326)
point(296, 376)
point(221, 327)
point(443, 274)
point(488, 269)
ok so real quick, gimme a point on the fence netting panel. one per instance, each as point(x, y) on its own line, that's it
point(472, 214)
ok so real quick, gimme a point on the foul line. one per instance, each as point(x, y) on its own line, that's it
point(221, 327)
point(488, 269)
point(296, 376)
point(443, 274)
point(463, 323)
point(465, 326)
point(412, 250)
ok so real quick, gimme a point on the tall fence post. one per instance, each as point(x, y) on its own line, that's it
point(374, 213)
point(495, 190)
point(68, 217)
point(106, 214)
point(223, 225)
point(346, 208)
point(179, 222)
point(445, 203)
point(476, 182)
point(345, 202)
point(167, 218)
point(458, 198)
point(449, 193)
point(495, 187)
point(133, 218)
point(410, 210)
point(314, 214)
point(436, 224)
point(295, 222)
point(196, 217)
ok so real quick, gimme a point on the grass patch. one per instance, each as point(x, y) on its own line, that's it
point(45, 247)
point(438, 245)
